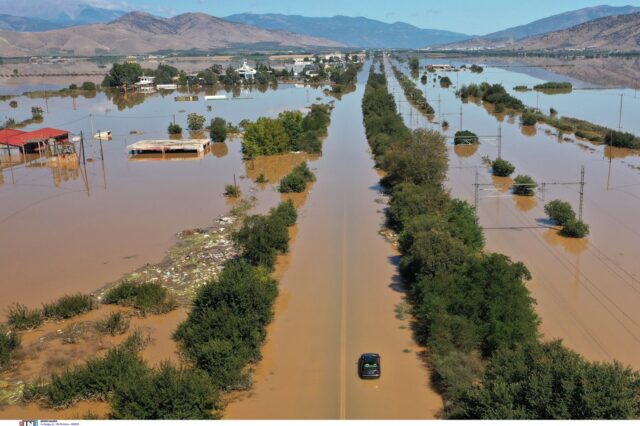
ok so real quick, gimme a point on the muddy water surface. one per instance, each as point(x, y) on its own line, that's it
point(587, 290)
point(338, 295)
point(65, 229)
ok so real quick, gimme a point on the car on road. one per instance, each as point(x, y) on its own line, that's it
point(369, 366)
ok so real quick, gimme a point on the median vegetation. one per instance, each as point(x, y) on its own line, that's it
point(291, 131)
point(502, 168)
point(465, 137)
point(562, 214)
point(297, 180)
point(554, 87)
point(145, 297)
point(411, 91)
point(472, 309)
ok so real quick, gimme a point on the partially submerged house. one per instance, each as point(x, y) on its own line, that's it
point(14, 140)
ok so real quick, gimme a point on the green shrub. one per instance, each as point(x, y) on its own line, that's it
point(231, 190)
point(88, 86)
point(445, 82)
point(226, 325)
point(621, 139)
point(575, 229)
point(115, 323)
point(285, 212)
point(529, 118)
point(261, 178)
point(68, 306)
point(524, 185)
point(560, 212)
point(195, 121)
point(502, 168)
point(174, 129)
point(553, 85)
point(9, 342)
point(297, 180)
point(19, 317)
point(476, 68)
point(548, 381)
point(521, 88)
point(169, 393)
point(465, 137)
point(96, 379)
point(144, 297)
point(218, 131)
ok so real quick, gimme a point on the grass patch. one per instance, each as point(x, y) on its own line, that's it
point(144, 297)
point(20, 317)
point(68, 306)
point(9, 342)
point(114, 324)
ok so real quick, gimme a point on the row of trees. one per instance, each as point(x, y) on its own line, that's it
point(472, 309)
point(226, 325)
point(411, 91)
point(291, 131)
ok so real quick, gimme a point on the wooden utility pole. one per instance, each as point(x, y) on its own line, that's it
point(620, 113)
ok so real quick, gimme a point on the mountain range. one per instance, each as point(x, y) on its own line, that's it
point(358, 31)
point(70, 27)
point(138, 32)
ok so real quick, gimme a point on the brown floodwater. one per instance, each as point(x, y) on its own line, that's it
point(338, 291)
point(587, 290)
point(66, 229)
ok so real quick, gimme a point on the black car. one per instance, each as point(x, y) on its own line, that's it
point(369, 366)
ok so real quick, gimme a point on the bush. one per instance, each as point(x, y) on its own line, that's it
point(68, 306)
point(114, 324)
point(297, 180)
point(560, 212)
point(553, 85)
point(502, 168)
point(524, 185)
point(97, 379)
point(88, 86)
point(575, 229)
point(195, 121)
point(20, 317)
point(144, 297)
point(226, 325)
point(9, 342)
point(621, 139)
point(476, 68)
point(261, 238)
point(218, 130)
point(167, 393)
point(231, 190)
point(445, 82)
point(548, 381)
point(465, 137)
point(174, 129)
point(529, 118)
point(521, 88)
point(286, 212)
point(261, 178)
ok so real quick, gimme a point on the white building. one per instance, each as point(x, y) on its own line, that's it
point(246, 71)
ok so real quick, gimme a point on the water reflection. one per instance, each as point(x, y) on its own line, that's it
point(275, 167)
point(465, 151)
point(219, 149)
point(570, 245)
point(529, 130)
point(524, 203)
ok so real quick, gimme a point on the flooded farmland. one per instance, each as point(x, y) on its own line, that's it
point(585, 289)
point(67, 230)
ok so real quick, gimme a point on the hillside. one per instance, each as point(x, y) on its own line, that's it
point(139, 32)
point(620, 33)
point(350, 31)
point(560, 22)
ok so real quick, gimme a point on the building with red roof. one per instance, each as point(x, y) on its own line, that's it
point(32, 141)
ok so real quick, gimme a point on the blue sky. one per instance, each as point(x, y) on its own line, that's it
point(469, 16)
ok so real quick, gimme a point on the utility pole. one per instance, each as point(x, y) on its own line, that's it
point(460, 117)
point(174, 119)
point(499, 141)
point(100, 139)
point(475, 199)
point(620, 113)
point(84, 161)
point(581, 192)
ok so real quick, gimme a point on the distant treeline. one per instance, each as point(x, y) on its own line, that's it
point(471, 308)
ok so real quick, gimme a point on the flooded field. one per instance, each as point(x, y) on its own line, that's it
point(586, 289)
point(65, 229)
